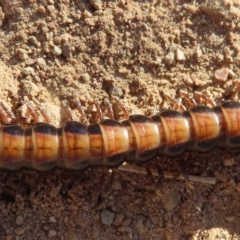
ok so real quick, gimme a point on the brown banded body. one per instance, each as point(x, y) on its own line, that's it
point(110, 143)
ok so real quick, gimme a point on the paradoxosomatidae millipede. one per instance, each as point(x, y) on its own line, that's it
point(109, 143)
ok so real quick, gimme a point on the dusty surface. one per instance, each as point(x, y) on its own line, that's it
point(135, 50)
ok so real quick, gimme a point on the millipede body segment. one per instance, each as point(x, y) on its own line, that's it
point(110, 143)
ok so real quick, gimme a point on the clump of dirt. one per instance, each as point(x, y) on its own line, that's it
point(137, 51)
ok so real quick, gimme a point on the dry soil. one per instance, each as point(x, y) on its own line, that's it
point(138, 51)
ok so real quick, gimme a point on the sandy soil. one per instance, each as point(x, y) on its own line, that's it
point(137, 51)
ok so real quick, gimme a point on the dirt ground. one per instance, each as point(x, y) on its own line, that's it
point(138, 51)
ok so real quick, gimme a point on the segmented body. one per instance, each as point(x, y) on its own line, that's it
point(110, 143)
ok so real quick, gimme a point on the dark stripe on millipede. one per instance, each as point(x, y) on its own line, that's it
point(145, 156)
point(218, 110)
point(59, 131)
point(94, 129)
point(234, 142)
point(75, 128)
point(110, 123)
point(45, 128)
point(230, 104)
point(116, 160)
point(176, 149)
point(157, 118)
point(171, 114)
point(204, 146)
point(138, 118)
point(126, 123)
point(201, 109)
point(187, 115)
point(13, 130)
point(28, 132)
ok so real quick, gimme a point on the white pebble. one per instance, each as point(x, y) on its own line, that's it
point(28, 71)
point(180, 55)
point(19, 231)
point(19, 220)
point(223, 73)
point(199, 53)
point(172, 48)
point(51, 233)
point(228, 161)
point(107, 217)
point(116, 185)
point(85, 77)
point(169, 58)
point(87, 14)
point(96, 4)
point(22, 53)
point(52, 219)
point(56, 51)
point(41, 62)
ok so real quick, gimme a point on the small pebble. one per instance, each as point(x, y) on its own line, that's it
point(19, 231)
point(123, 70)
point(19, 220)
point(41, 9)
point(85, 77)
point(57, 40)
point(173, 48)
point(223, 73)
point(51, 8)
point(52, 219)
point(67, 51)
point(41, 62)
point(2, 16)
point(33, 40)
point(96, 4)
point(107, 217)
point(46, 227)
point(87, 14)
point(37, 78)
point(118, 220)
point(154, 220)
point(116, 91)
point(28, 71)
point(68, 78)
point(130, 232)
point(212, 197)
point(51, 233)
point(30, 88)
point(122, 228)
point(238, 187)
point(46, 48)
point(73, 235)
point(22, 54)
point(139, 225)
point(169, 58)
point(198, 53)
point(125, 229)
point(229, 218)
point(170, 199)
point(228, 161)
point(231, 73)
point(56, 51)
point(116, 185)
point(180, 55)
point(30, 61)
point(126, 221)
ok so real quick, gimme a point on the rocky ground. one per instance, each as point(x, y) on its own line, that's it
point(137, 51)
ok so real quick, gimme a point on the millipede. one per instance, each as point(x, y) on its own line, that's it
point(109, 143)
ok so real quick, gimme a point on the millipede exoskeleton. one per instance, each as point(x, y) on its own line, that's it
point(110, 143)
